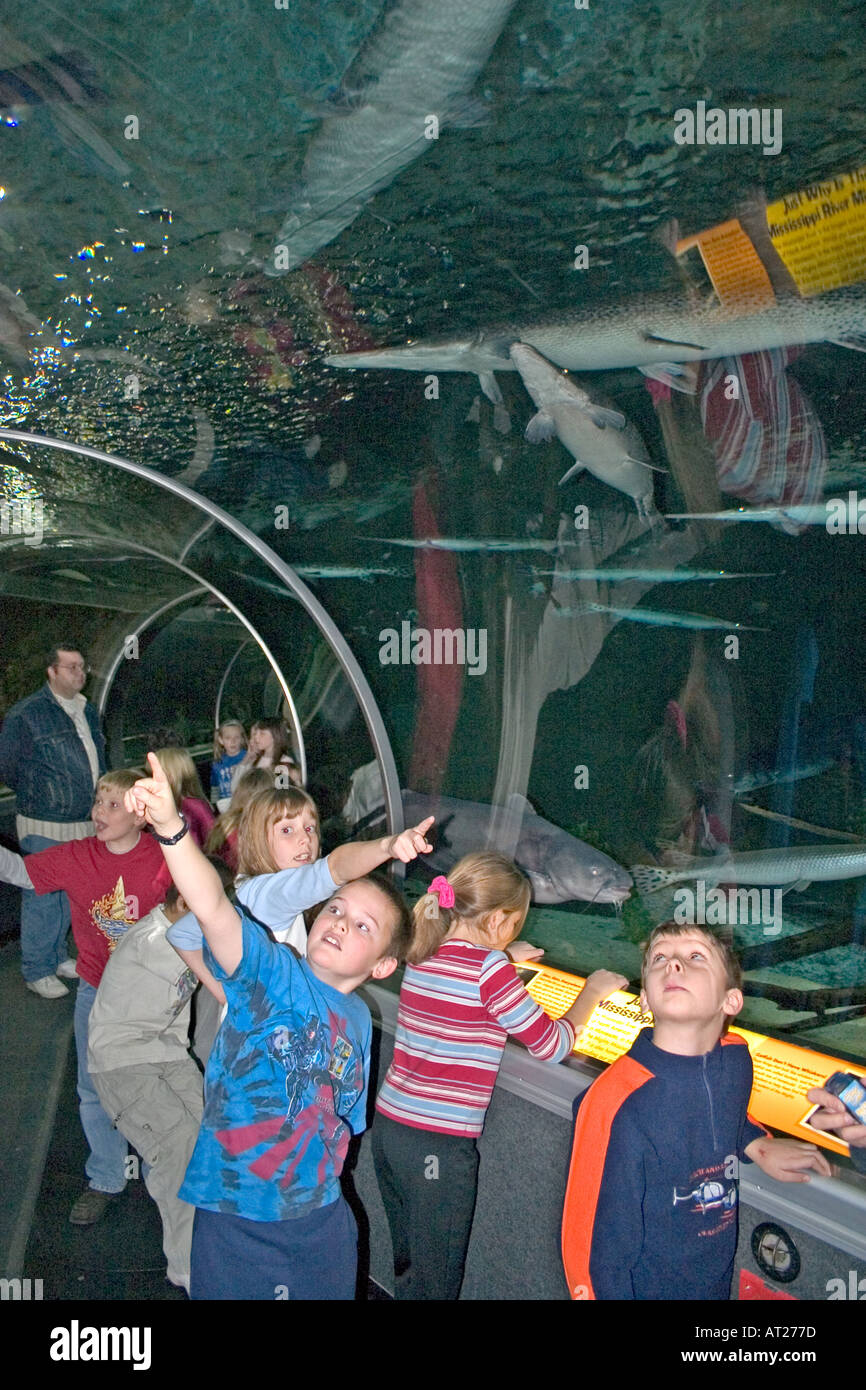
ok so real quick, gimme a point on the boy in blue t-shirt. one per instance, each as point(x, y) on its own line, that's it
point(287, 1080)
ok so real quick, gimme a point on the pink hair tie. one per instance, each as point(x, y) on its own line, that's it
point(441, 886)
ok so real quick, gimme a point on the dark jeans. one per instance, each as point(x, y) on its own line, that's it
point(314, 1257)
point(44, 922)
point(428, 1183)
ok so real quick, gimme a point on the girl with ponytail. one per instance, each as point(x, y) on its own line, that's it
point(461, 997)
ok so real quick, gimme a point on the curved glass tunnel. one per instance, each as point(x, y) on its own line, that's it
point(182, 621)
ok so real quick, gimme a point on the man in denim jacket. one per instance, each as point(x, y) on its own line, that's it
point(52, 753)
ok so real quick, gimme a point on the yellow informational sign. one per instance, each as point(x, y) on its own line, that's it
point(733, 265)
point(820, 232)
point(783, 1071)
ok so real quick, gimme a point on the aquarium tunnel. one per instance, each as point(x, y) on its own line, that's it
point(477, 395)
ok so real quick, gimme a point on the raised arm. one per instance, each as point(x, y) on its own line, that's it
point(360, 857)
point(197, 881)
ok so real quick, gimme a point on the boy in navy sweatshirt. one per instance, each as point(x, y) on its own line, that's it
point(651, 1203)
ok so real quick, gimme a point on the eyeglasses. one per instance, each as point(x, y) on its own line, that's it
point(72, 666)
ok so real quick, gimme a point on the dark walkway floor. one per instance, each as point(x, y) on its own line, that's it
point(42, 1154)
point(120, 1257)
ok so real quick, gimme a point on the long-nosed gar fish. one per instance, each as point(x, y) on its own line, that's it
point(796, 867)
point(801, 514)
point(643, 332)
point(366, 572)
point(650, 576)
point(598, 438)
point(412, 75)
point(753, 781)
point(468, 544)
point(699, 622)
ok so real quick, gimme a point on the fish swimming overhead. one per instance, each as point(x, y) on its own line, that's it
point(790, 519)
point(754, 781)
point(698, 622)
point(419, 62)
point(795, 867)
point(599, 439)
point(647, 332)
point(366, 572)
point(622, 574)
point(559, 867)
point(462, 543)
point(314, 572)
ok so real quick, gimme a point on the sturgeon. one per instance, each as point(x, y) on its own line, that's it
point(650, 332)
point(419, 62)
point(796, 868)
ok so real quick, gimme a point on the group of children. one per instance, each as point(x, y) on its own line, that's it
point(269, 747)
point(247, 1179)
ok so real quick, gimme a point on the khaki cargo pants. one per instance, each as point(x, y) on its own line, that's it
point(158, 1107)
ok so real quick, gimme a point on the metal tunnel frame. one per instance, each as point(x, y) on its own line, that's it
point(204, 587)
point(217, 718)
point(351, 669)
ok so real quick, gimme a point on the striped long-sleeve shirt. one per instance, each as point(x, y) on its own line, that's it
point(456, 1011)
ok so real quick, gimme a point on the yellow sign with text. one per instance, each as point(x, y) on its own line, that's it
point(820, 232)
point(783, 1072)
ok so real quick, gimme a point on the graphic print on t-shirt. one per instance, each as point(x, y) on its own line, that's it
point(114, 913)
point(712, 1195)
point(323, 1079)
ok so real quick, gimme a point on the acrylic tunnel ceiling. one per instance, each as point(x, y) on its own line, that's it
point(200, 205)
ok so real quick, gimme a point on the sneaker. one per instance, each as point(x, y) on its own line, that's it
point(91, 1206)
point(49, 987)
point(67, 969)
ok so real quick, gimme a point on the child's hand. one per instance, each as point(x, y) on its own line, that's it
point(604, 983)
point(600, 985)
point(786, 1159)
point(152, 798)
point(834, 1118)
point(523, 950)
point(410, 843)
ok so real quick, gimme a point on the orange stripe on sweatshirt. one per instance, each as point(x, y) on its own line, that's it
point(588, 1155)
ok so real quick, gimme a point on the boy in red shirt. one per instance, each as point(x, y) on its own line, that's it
point(111, 879)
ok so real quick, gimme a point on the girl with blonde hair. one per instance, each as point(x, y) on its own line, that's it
point(461, 998)
point(223, 838)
